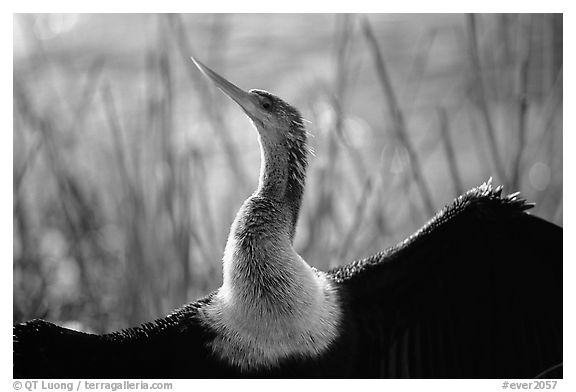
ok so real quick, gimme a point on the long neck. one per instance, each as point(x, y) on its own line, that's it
point(264, 229)
point(282, 176)
point(272, 304)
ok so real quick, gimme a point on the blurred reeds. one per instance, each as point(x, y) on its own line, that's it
point(129, 167)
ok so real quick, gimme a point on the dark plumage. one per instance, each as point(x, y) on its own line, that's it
point(477, 292)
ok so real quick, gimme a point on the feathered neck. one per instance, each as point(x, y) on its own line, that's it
point(272, 305)
point(283, 170)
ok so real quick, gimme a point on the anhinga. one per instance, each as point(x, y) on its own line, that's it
point(476, 292)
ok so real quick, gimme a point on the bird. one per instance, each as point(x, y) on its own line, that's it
point(475, 293)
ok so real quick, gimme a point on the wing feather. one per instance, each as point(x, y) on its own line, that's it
point(477, 293)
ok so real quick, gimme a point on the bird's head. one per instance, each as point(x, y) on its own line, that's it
point(277, 122)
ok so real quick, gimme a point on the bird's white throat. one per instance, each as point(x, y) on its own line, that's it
point(272, 304)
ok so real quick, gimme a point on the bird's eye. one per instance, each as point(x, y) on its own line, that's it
point(266, 104)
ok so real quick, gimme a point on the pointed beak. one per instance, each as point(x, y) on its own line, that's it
point(247, 101)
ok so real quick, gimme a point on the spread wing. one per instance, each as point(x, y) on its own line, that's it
point(477, 293)
point(171, 347)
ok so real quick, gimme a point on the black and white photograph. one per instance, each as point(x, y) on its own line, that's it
point(288, 195)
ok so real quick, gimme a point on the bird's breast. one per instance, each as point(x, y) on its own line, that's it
point(260, 323)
